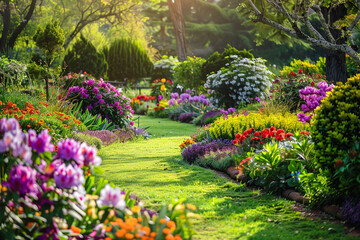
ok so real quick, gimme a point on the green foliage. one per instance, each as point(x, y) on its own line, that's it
point(348, 172)
point(307, 67)
point(50, 40)
point(85, 58)
point(127, 60)
point(336, 123)
point(188, 73)
point(36, 72)
point(352, 66)
point(12, 73)
point(220, 160)
point(164, 68)
point(216, 61)
point(89, 140)
point(229, 127)
point(94, 122)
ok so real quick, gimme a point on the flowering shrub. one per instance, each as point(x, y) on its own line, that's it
point(307, 67)
point(164, 67)
point(161, 87)
point(241, 80)
point(186, 143)
point(103, 98)
point(286, 89)
point(138, 103)
point(59, 125)
point(108, 137)
point(196, 150)
point(312, 96)
point(46, 197)
point(227, 128)
point(73, 79)
point(186, 117)
point(12, 72)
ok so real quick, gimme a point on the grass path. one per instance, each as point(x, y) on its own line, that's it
point(153, 170)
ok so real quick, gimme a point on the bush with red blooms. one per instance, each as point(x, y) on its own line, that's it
point(140, 103)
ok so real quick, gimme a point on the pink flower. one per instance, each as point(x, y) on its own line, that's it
point(68, 176)
point(111, 197)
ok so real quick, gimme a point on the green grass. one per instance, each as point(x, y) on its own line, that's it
point(154, 171)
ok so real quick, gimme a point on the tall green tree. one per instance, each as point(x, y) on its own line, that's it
point(295, 19)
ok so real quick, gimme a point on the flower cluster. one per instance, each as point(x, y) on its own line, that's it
point(258, 137)
point(161, 87)
point(186, 98)
point(186, 143)
point(103, 98)
point(241, 80)
point(51, 193)
point(313, 97)
point(39, 118)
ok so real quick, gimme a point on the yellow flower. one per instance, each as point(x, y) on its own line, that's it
point(162, 88)
point(163, 80)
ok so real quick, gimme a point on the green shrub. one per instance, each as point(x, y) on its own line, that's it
point(229, 127)
point(127, 60)
point(336, 124)
point(84, 57)
point(217, 61)
point(12, 73)
point(89, 140)
point(36, 72)
point(164, 68)
point(188, 74)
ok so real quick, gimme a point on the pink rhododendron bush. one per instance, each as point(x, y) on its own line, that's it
point(47, 192)
point(104, 99)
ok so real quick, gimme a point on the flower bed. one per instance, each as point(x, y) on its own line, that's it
point(48, 195)
point(103, 98)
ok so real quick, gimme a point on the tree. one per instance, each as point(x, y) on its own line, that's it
point(127, 60)
point(81, 13)
point(295, 18)
point(12, 11)
point(84, 57)
point(177, 19)
point(50, 40)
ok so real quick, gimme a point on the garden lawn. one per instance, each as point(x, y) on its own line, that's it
point(154, 171)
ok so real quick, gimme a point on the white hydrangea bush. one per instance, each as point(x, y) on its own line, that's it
point(240, 81)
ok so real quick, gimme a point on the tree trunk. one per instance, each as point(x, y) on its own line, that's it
point(6, 25)
point(336, 70)
point(22, 25)
point(177, 19)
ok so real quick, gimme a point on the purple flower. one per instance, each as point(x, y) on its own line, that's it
point(188, 90)
point(111, 197)
point(68, 176)
point(91, 82)
point(185, 96)
point(172, 102)
point(160, 98)
point(101, 101)
point(22, 179)
point(41, 143)
point(9, 125)
point(96, 90)
point(258, 99)
point(224, 112)
point(90, 155)
point(231, 110)
point(174, 95)
point(70, 149)
point(98, 96)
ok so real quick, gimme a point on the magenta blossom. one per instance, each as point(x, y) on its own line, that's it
point(41, 143)
point(68, 176)
point(69, 149)
point(22, 179)
point(111, 197)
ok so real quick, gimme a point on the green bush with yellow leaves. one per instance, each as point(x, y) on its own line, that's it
point(227, 128)
point(336, 124)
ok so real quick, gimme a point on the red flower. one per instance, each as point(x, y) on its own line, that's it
point(280, 135)
point(155, 108)
point(147, 106)
point(292, 74)
point(289, 135)
point(338, 164)
point(255, 139)
point(238, 135)
point(300, 71)
point(305, 133)
point(235, 142)
point(162, 108)
point(242, 138)
point(256, 134)
point(265, 133)
point(312, 84)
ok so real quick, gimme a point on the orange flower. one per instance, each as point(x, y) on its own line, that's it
point(120, 233)
point(129, 236)
point(28, 126)
point(75, 229)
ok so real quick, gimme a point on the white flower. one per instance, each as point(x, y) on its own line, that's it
point(111, 197)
